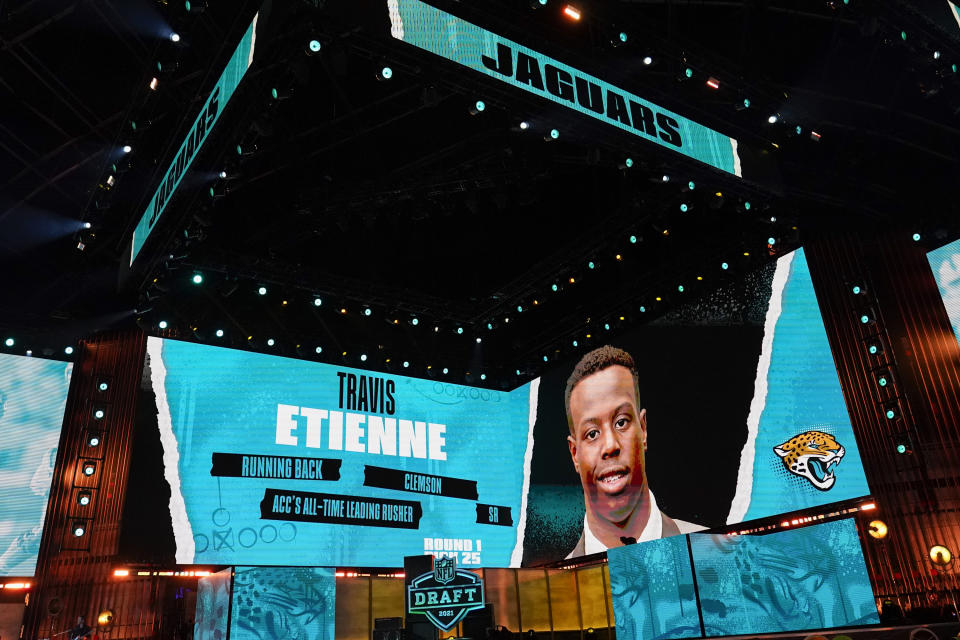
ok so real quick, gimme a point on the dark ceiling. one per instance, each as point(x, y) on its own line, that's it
point(389, 196)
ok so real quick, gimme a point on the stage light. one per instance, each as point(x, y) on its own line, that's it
point(626, 164)
point(313, 47)
point(606, 326)
point(93, 439)
point(219, 333)
point(89, 468)
point(744, 105)
point(798, 129)
point(363, 357)
point(940, 555)
point(318, 350)
point(406, 364)
point(478, 107)
point(68, 351)
point(665, 178)
point(684, 207)
point(688, 72)
point(153, 83)
point(857, 289)
point(519, 308)
point(99, 414)
point(643, 309)
point(483, 376)
point(174, 36)
point(713, 83)
point(916, 237)
point(864, 318)
point(575, 343)
point(903, 36)
point(87, 225)
point(415, 321)
point(771, 241)
point(367, 312)
point(691, 185)
point(874, 348)
point(127, 148)
point(223, 175)
point(772, 119)
point(591, 265)
point(197, 278)
point(446, 371)
point(746, 205)
point(622, 37)
point(79, 529)
point(633, 239)
point(554, 287)
point(724, 266)
point(571, 12)
point(647, 60)
point(385, 73)
point(546, 359)
point(553, 135)
point(262, 291)
point(270, 342)
point(524, 125)
point(891, 414)
point(162, 324)
point(479, 340)
point(901, 448)
point(84, 498)
point(815, 136)
point(9, 342)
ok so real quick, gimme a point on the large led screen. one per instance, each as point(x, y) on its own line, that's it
point(736, 413)
point(33, 395)
point(278, 603)
point(213, 606)
point(945, 263)
point(810, 578)
point(278, 461)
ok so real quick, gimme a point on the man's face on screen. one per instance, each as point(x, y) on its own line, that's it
point(608, 442)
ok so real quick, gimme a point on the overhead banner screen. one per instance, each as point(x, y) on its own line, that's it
point(239, 62)
point(945, 263)
point(278, 461)
point(33, 396)
point(445, 35)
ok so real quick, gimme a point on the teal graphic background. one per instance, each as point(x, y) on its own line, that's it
point(945, 263)
point(446, 35)
point(213, 606)
point(224, 400)
point(279, 603)
point(809, 578)
point(651, 585)
point(803, 394)
point(229, 80)
point(33, 395)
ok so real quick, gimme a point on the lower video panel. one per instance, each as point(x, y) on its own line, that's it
point(804, 579)
point(278, 603)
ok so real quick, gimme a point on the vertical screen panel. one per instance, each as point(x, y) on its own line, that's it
point(593, 597)
point(500, 590)
point(213, 606)
point(353, 609)
point(564, 603)
point(945, 263)
point(651, 585)
point(33, 396)
point(277, 603)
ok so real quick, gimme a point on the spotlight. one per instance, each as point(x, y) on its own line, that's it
point(858, 289)
point(745, 104)
point(93, 439)
point(271, 342)
point(772, 119)
point(619, 39)
point(9, 342)
point(87, 225)
point(713, 83)
point(219, 333)
point(479, 340)
point(174, 36)
point(524, 125)
point(262, 290)
point(162, 324)
point(153, 83)
point(877, 529)
point(647, 60)
point(127, 148)
point(684, 207)
point(317, 302)
point(874, 348)
point(916, 238)
point(553, 135)
point(103, 386)
point(99, 414)
point(626, 164)
point(724, 266)
point(368, 312)
point(446, 371)
point(197, 278)
point(414, 321)
point(385, 73)
point(318, 350)
point(477, 107)
point(84, 498)
point(459, 331)
point(68, 351)
point(89, 468)
point(483, 376)
point(79, 529)
point(940, 555)
point(406, 364)
point(815, 136)
point(313, 47)
point(771, 241)
point(571, 12)
point(363, 357)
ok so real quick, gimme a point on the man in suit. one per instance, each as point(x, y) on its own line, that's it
point(608, 442)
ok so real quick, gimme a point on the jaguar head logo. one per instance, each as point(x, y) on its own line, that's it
point(812, 455)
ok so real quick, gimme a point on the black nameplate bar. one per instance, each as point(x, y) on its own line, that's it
point(242, 465)
point(494, 514)
point(329, 508)
point(400, 480)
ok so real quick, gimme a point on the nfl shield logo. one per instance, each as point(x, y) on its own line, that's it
point(444, 569)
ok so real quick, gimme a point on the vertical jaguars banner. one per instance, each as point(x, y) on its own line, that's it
point(278, 461)
point(800, 450)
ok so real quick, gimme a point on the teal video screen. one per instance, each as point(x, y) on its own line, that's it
point(734, 413)
point(795, 580)
point(213, 606)
point(809, 578)
point(33, 396)
point(945, 263)
point(279, 603)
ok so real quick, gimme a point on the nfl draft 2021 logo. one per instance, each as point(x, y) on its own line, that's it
point(446, 594)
